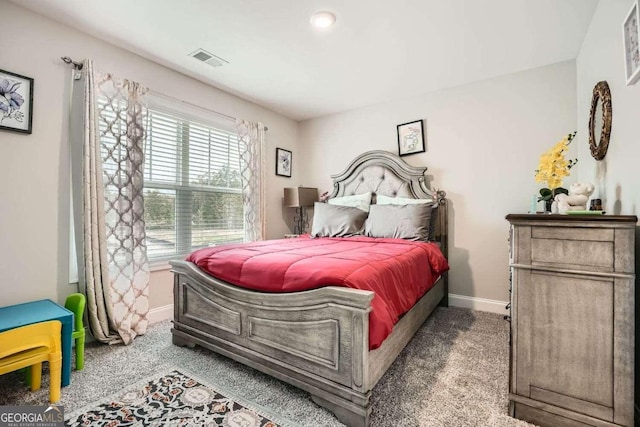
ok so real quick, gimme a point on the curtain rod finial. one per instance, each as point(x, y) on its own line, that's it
point(76, 65)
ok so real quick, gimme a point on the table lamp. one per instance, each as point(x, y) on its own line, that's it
point(300, 198)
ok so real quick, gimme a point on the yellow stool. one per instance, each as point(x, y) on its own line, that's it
point(30, 346)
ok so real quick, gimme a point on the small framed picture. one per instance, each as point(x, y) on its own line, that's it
point(16, 102)
point(631, 36)
point(283, 162)
point(410, 138)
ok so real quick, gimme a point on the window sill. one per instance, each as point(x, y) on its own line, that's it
point(159, 266)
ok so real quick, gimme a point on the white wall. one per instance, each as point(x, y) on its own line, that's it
point(616, 177)
point(34, 196)
point(601, 58)
point(483, 143)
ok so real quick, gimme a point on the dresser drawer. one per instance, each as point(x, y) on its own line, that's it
point(573, 248)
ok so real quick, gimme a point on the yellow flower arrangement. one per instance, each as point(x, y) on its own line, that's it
point(553, 168)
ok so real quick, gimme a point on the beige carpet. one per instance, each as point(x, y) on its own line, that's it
point(453, 373)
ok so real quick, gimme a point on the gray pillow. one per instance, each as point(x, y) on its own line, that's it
point(433, 223)
point(409, 222)
point(336, 221)
point(386, 200)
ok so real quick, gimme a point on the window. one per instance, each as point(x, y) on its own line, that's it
point(192, 187)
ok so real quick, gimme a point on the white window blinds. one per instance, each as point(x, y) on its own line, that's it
point(192, 185)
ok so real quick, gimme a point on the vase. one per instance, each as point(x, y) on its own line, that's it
point(547, 206)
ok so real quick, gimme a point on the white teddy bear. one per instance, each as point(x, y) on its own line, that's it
point(576, 200)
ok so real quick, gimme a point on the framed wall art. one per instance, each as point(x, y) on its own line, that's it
point(631, 37)
point(410, 138)
point(16, 102)
point(283, 162)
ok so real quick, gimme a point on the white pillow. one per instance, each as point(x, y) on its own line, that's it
point(360, 201)
point(386, 200)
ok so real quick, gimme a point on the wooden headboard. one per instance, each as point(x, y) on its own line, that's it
point(382, 172)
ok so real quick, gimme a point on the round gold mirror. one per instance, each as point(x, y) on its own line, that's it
point(600, 120)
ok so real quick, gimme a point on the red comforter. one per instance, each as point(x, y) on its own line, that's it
point(398, 271)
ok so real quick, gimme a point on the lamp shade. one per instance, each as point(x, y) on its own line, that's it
point(300, 196)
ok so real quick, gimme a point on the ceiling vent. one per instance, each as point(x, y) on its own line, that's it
point(208, 58)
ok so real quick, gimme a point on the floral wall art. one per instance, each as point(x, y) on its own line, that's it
point(410, 138)
point(16, 102)
point(283, 162)
point(631, 31)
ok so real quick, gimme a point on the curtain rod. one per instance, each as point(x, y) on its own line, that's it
point(78, 66)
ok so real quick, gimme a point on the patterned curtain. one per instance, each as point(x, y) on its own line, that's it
point(115, 256)
point(251, 140)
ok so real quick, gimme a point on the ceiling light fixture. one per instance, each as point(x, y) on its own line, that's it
point(323, 19)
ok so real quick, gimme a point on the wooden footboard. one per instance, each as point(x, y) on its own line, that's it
point(316, 340)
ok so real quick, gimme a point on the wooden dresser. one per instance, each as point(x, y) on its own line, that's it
point(572, 319)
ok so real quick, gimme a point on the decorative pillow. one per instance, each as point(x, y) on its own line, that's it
point(360, 201)
point(386, 200)
point(409, 222)
point(336, 221)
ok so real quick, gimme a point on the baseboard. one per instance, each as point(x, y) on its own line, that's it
point(481, 304)
point(159, 314)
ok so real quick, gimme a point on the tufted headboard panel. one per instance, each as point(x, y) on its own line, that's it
point(384, 173)
point(379, 180)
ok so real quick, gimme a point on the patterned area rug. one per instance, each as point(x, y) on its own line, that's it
point(173, 399)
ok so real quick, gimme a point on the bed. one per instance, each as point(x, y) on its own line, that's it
point(316, 340)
